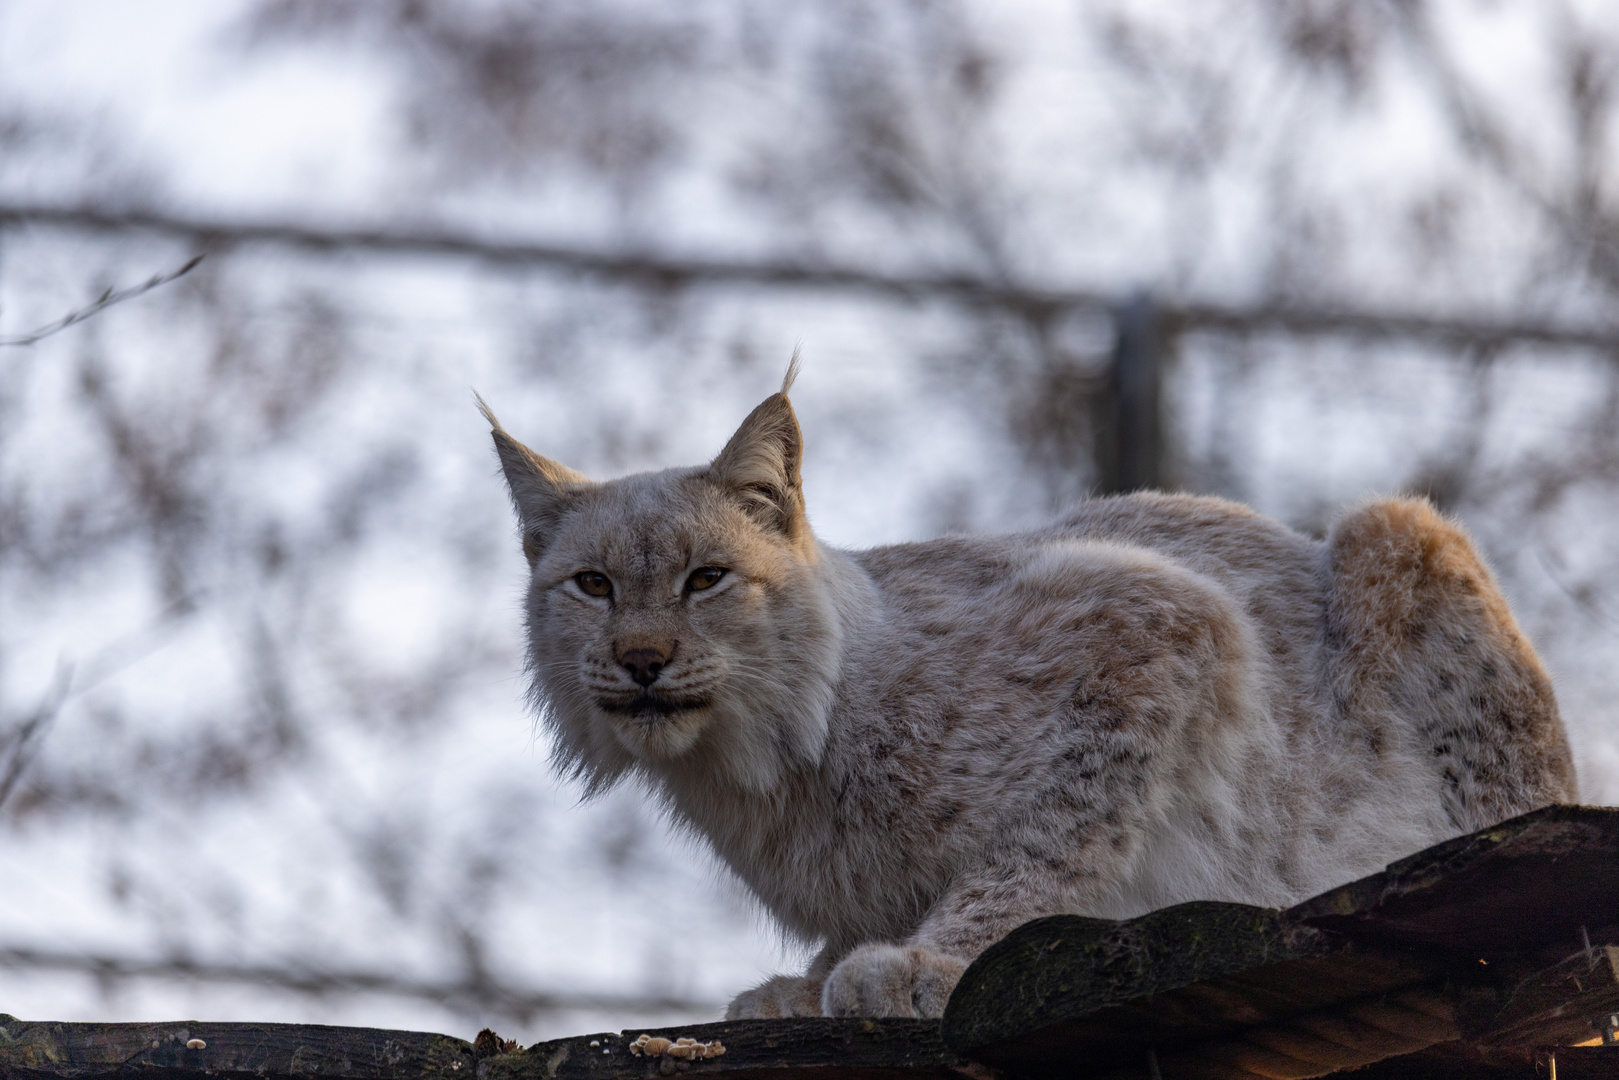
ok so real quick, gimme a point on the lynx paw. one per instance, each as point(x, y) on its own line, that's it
point(891, 980)
point(782, 996)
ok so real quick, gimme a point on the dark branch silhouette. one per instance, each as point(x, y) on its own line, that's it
point(672, 271)
point(482, 994)
point(102, 303)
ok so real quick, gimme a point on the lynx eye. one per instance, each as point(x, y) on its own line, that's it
point(704, 577)
point(593, 583)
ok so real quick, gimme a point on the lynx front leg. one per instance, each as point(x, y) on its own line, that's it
point(915, 979)
point(892, 980)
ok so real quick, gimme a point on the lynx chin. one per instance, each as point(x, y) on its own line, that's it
point(907, 752)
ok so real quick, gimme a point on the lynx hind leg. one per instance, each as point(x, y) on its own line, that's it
point(1426, 637)
point(891, 980)
point(777, 998)
point(784, 995)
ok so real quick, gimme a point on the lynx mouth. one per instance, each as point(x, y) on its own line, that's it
point(646, 703)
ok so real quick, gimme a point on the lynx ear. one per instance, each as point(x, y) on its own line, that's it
point(760, 466)
point(541, 489)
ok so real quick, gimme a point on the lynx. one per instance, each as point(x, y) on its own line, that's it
point(907, 752)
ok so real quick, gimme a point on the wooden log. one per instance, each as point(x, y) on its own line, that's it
point(1064, 988)
point(1519, 887)
point(822, 1049)
point(34, 1051)
point(810, 1048)
point(1561, 1005)
point(1508, 938)
point(1482, 925)
point(1464, 1061)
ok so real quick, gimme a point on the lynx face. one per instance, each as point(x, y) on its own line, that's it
point(653, 608)
point(676, 621)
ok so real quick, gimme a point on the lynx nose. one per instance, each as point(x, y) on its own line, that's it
point(644, 664)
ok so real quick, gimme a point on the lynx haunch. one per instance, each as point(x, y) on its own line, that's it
point(907, 752)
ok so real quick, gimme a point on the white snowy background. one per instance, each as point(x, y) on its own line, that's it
point(261, 712)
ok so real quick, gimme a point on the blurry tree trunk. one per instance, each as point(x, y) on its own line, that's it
point(1129, 423)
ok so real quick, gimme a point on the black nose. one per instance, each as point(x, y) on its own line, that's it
point(644, 664)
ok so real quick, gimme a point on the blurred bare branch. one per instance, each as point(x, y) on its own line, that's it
point(19, 741)
point(483, 996)
point(1574, 202)
point(1297, 318)
point(505, 85)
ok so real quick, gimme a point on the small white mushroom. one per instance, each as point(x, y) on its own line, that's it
point(684, 1048)
point(196, 1044)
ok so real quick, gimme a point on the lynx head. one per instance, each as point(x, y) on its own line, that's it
point(678, 623)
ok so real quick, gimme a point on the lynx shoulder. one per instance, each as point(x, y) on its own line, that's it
point(906, 752)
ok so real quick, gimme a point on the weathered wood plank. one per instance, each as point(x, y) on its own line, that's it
point(1345, 1036)
point(1201, 983)
point(1176, 978)
point(1516, 888)
point(822, 1049)
point(1585, 1063)
point(1559, 1006)
point(29, 1051)
point(1462, 1061)
point(1066, 966)
point(811, 1048)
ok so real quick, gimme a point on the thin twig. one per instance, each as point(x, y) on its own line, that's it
point(26, 735)
point(24, 740)
point(102, 303)
point(1549, 561)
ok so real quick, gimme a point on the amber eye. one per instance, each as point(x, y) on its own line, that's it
point(704, 577)
point(593, 583)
